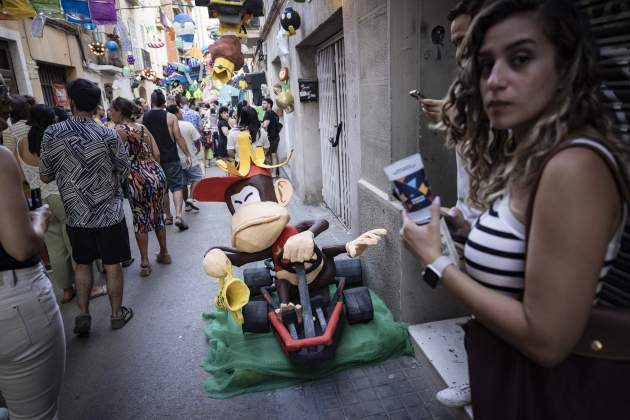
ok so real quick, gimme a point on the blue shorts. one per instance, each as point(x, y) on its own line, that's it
point(174, 175)
point(192, 174)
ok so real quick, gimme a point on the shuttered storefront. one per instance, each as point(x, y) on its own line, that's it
point(610, 22)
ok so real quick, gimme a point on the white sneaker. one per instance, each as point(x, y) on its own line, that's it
point(457, 396)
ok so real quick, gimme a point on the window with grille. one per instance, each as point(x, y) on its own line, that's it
point(6, 68)
point(49, 75)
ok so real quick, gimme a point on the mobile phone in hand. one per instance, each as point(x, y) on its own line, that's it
point(36, 198)
point(417, 94)
point(452, 227)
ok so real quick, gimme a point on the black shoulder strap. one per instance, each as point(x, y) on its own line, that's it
point(612, 166)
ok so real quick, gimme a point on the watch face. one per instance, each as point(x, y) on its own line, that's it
point(431, 277)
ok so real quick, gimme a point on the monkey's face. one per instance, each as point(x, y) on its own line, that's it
point(258, 212)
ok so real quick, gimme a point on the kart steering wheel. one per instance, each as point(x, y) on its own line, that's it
point(290, 267)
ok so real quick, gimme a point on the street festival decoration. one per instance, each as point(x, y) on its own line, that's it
point(111, 45)
point(77, 11)
point(235, 15)
point(103, 12)
point(184, 27)
point(260, 231)
point(284, 98)
point(283, 74)
point(16, 10)
point(97, 48)
point(227, 56)
point(168, 26)
point(290, 20)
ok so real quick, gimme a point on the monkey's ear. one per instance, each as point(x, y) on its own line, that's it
point(284, 191)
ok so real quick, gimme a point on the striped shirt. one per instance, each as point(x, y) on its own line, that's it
point(87, 160)
point(495, 255)
point(15, 133)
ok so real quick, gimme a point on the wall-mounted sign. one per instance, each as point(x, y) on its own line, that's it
point(308, 90)
point(60, 95)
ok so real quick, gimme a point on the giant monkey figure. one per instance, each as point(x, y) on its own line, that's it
point(261, 229)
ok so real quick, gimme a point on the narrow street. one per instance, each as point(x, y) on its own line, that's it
point(151, 369)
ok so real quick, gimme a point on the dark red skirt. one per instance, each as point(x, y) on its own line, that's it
point(506, 385)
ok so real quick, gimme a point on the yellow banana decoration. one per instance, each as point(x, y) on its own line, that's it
point(248, 154)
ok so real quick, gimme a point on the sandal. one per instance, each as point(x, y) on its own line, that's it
point(180, 224)
point(145, 270)
point(98, 291)
point(82, 324)
point(125, 316)
point(168, 220)
point(69, 298)
point(163, 258)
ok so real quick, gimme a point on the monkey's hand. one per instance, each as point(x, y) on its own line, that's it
point(300, 248)
point(356, 247)
point(216, 263)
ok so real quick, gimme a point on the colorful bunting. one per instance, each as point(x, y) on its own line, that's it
point(103, 12)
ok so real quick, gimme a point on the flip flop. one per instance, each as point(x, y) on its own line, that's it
point(68, 300)
point(180, 224)
point(145, 270)
point(98, 291)
point(125, 316)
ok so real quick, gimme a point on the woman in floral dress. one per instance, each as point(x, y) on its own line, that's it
point(147, 182)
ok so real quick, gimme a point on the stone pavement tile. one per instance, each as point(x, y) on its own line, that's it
point(348, 396)
point(380, 379)
point(400, 415)
point(373, 369)
point(422, 382)
point(401, 387)
point(354, 411)
point(367, 394)
point(438, 410)
point(328, 403)
point(325, 390)
point(411, 400)
point(385, 391)
point(335, 413)
point(344, 385)
point(361, 383)
point(392, 404)
point(421, 413)
point(373, 408)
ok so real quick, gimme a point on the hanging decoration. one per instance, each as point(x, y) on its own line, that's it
point(290, 20)
point(103, 12)
point(282, 43)
point(90, 26)
point(76, 11)
point(227, 56)
point(148, 74)
point(184, 27)
point(131, 60)
point(97, 48)
point(168, 26)
point(283, 74)
point(16, 10)
point(49, 9)
point(126, 71)
point(156, 43)
point(37, 27)
point(111, 45)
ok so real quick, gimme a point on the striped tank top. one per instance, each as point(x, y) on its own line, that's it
point(495, 253)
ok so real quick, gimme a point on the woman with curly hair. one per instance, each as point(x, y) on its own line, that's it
point(147, 182)
point(526, 114)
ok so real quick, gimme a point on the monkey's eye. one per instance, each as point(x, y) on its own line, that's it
point(249, 194)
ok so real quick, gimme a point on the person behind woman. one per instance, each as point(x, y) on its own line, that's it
point(248, 121)
point(33, 348)
point(56, 238)
point(529, 84)
point(147, 182)
point(20, 109)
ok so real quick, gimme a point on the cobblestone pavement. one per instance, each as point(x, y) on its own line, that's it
point(151, 368)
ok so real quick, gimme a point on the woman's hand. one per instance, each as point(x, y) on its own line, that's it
point(423, 241)
point(457, 224)
point(40, 218)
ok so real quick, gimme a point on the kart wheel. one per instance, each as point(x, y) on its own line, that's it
point(351, 270)
point(255, 278)
point(255, 317)
point(358, 305)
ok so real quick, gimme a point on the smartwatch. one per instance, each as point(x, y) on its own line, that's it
point(434, 271)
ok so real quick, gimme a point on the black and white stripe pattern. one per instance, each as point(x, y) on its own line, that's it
point(87, 160)
point(495, 257)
